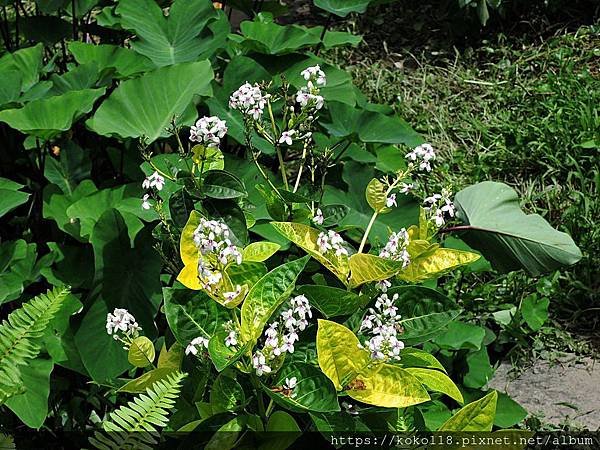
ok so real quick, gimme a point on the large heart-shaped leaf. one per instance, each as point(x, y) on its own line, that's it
point(168, 39)
point(47, 117)
point(27, 62)
point(145, 106)
point(507, 237)
point(126, 62)
point(342, 8)
point(11, 195)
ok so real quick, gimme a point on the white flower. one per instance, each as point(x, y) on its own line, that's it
point(314, 74)
point(121, 321)
point(194, 344)
point(231, 339)
point(391, 201)
point(396, 248)
point(290, 383)
point(349, 408)
point(260, 364)
point(383, 323)
point(230, 296)
point(405, 188)
point(145, 202)
point(208, 131)
point(306, 99)
point(154, 180)
point(249, 100)
point(287, 137)
point(423, 155)
point(383, 285)
point(330, 240)
point(439, 207)
point(318, 217)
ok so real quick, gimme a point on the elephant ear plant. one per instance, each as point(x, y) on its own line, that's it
point(319, 340)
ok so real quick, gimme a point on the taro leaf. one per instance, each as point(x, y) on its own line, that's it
point(331, 301)
point(535, 311)
point(508, 412)
point(145, 106)
point(222, 185)
point(314, 391)
point(221, 355)
point(126, 62)
point(507, 237)
point(259, 251)
point(479, 370)
point(32, 405)
point(47, 117)
point(476, 416)
point(27, 61)
point(17, 268)
point(339, 354)
point(306, 237)
point(388, 386)
point(10, 88)
point(168, 39)
point(192, 314)
point(425, 312)
point(342, 8)
point(365, 268)
point(461, 335)
point(11, 195)
point(266, 296)
point(437, 381)
point(78, 78)
point(73, 165)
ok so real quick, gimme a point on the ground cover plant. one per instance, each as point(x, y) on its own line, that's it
point(210, 228)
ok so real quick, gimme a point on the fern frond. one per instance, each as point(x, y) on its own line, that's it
point(19, 335)
point(134, 426)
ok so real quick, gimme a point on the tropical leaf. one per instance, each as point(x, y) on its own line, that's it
point(437, 381)
point(331, 301)
point(436, 264)
point(342, 8)
point(11, 195)
point(507, 237)
point(365, 268)
point(259, 251)
point(126, 62)
point(476, 416)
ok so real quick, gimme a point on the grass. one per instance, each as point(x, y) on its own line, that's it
point(515, 110)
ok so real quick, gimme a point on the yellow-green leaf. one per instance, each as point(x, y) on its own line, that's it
point(187, 248)
point(365, 268)
point(476, 416)
point(141, 352)
point(435, 265)
point(170, 359)
point(259, 251)
point(388, 386)
point(146, 380)
point(305, 237)
point(212, 157)
point(338, 352)
point(438, 382)
point(414, 357)
point(375, 194)
point(189, 277)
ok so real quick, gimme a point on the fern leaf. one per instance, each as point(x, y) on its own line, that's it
point(133, 426)
point(19, 335)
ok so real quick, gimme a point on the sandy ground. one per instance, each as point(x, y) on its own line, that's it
point(563, 392)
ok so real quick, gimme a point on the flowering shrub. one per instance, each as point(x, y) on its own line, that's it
point(282, 261)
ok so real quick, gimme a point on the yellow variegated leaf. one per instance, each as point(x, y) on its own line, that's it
point(305, 237)
point(419, 247)
point(170, 359)
point(434, 265)
point(376, 198)
point(476, 416)
point(437, 381)
point(339, 354)
point(141, 352)
point(259, 251)
point(388, 386)
point(187, 248)
point(189, 277)
point(365, 268)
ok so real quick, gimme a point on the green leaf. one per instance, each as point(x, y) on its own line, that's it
point(507, 237)
point(414, 357)
point(227, 435)
point(259, 251)
point(248, 272)
point(461, 335)
point(191, 314)
point(11, 195)
point(221, 355)
point(284, 430)
point(334, 214)
point(226, 393)
point(365, 268)
point(73, 165)
point(342, 8)
point(339, 354)
point(266, 296)
point(145, 381)
point(476, 416)
point(479, 370)
point(331, 301)
point(314, 391)
point(508, 412)
point(10, 89)
point(306, 237)
point(126, 62)
point(141, 353)
point(388, 386)
point(438, 382)
point(145, 106)
point(222, 185)
point(48, 117)
point(535, 311)
point(168, 39)
point(32, 406)
point(375, 195)
point(27, 62)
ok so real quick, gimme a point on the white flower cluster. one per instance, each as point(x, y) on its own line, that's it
point(395, 248)
point(122, 326)
point(195, 344)
point(383, 323)
point(423, 155)
point(439, 207)
point(331, 241)
point(282, 334)
point(208, 131)
point(249, 100)
point(212, 239)
point(153, 181)
point(309, 96)
point(318, 217)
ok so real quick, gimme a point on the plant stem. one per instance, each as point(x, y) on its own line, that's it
point(270, 407)
point(261, 403)
point(277, 147)
point(327, 23)
point(367, 231)
point(303, 161)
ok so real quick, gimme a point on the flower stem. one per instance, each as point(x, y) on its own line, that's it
point(277, 147)
point(367, 231)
